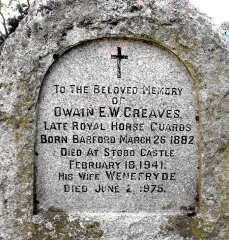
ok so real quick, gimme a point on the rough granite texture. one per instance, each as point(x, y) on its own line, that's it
point(54, 27)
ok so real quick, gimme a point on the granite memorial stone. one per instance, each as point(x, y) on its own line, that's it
point(114, 123)
point(117, 136)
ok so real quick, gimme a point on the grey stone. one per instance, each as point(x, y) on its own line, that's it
point(52, 31)
point(110, 143)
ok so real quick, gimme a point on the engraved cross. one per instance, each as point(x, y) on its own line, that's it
point(119, 57)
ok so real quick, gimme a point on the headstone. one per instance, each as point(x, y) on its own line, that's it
point(114, 123)
point(117, 135)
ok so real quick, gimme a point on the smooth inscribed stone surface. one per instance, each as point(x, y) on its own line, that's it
point(117, 131)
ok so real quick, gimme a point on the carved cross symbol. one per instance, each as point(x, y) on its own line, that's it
point(119, 57)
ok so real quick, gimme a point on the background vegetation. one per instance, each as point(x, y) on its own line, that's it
point(11, 13)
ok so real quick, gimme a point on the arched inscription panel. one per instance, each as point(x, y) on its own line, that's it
point(117, 131)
